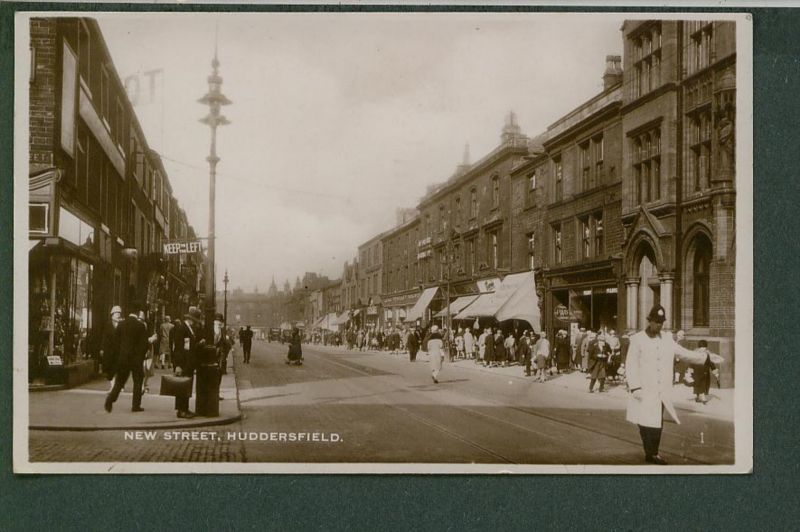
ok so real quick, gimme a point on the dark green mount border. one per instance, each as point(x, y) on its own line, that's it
point(285, 502)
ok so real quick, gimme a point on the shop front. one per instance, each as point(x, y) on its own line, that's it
point(585, 298)
point(62, 341)
point(396, 308)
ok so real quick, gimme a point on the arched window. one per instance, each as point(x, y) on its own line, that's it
point(701, 288)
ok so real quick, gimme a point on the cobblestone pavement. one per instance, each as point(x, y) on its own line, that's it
point(114, 446)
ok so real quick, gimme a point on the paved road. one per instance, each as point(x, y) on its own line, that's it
point(383, 408)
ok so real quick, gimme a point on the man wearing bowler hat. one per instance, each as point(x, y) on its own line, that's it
point(131, 341)
point(649, 374)
point(187, 342)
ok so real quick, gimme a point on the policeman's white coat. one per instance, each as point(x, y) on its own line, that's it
point(649, 367)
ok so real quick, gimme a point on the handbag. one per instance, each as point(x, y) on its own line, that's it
point(175, 386)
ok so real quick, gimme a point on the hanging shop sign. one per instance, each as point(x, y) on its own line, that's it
point(176, 248)
point(54, 360)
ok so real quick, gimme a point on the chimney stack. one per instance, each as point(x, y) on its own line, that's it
point(613, 73)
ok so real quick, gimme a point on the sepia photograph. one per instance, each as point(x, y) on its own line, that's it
point(385, 242)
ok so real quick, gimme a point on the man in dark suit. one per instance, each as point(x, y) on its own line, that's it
point(132, 344)
point(187, 342)
point(247, 343)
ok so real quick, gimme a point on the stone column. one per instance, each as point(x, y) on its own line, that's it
point(632, 298)
point(666, 297)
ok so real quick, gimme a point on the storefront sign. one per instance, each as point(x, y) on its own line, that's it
point(54, 360)
point(176, 248)
point(372, 310)
point(562, 313)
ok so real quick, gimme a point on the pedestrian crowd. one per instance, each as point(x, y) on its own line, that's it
point(136, 345)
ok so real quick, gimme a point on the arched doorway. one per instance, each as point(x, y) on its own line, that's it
point(649, 287)
point(697, 284)
point(646, 285)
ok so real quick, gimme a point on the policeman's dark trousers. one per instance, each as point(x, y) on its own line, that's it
point(122, 378)
point(651, 439)
point(182, 403)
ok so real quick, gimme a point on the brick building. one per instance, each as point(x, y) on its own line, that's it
point(465, 229)
point(401, 287)
point(100, 204)
point(578, 183)
point(370, 280)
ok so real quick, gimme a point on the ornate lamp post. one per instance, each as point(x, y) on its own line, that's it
point(214, 99)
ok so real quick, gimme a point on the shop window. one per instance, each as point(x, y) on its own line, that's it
point(38, 216)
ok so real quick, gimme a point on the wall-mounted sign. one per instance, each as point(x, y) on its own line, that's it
point(54, 360)
point(175, 248)
point(562, 313)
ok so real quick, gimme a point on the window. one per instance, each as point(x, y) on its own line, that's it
point(495, 192)
point(586, 237)
point(457, 213)
point(532, 181)
point(38, 216)
point(700, 150)
point(442, 218)
point(557, 251)
point(586, 166)
point(119, 125)
point(493, 250)
point(471, 256)
point(701, 44)
point(531, 249)
point(473, 203)
point(104, 94)
point(701, 292)
point(646, 48)
point(598, 234)
point(428, 229)
point(597, 154)
point(558, 171)
point(82, 164)
point(646, 148)
point(83, 50)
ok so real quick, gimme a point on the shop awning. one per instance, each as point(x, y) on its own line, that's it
point(341, 318)
point(522, 303)
point(329, 322)
point(318, 323)
point(422, 303)
point(457, 306)
point(514, 299)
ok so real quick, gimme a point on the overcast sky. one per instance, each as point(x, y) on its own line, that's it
point(337, 119)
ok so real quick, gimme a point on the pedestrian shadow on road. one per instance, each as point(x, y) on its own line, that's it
point(432, 386)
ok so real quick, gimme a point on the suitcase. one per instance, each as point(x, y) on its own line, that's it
point(175, 386)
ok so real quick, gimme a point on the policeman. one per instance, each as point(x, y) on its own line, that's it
point(649, 373)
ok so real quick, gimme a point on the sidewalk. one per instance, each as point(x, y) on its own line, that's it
point(719, 406)
point(81, 408)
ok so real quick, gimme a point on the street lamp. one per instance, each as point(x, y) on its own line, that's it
point(214, 99)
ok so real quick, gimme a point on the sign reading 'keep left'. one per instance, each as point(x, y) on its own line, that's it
point(175, 248)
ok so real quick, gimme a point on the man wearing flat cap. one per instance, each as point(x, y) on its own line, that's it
point(187, 342)
point(649, 374)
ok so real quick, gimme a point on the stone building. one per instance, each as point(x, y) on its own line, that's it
point(100, 205)
point(679, 183)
